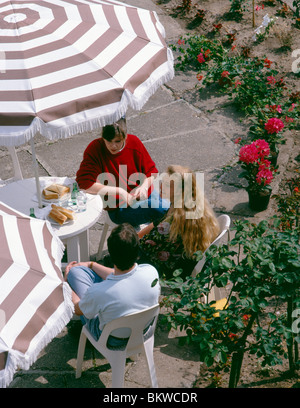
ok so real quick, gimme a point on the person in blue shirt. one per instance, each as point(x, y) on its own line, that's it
point(101, 294)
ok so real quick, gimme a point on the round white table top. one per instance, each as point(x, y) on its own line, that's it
point(22, 195)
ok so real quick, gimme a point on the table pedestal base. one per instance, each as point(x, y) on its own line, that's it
point(78, 248)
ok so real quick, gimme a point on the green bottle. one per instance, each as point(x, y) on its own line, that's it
point(32, 213)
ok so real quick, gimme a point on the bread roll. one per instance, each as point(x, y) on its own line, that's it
point(57, 216)
point(68, 213)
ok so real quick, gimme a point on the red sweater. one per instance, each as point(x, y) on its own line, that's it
point(134, 158)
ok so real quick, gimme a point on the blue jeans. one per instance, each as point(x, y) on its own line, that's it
point(80, 278)
point(142, 211)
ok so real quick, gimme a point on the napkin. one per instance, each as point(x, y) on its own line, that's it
point(42, 212)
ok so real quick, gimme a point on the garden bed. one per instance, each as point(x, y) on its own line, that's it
point(228, 33)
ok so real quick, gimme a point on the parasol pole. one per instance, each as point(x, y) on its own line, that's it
point(36, 174)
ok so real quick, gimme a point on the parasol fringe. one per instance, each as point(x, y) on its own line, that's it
point(16, 360)
point(7, 374)
point(148, 88)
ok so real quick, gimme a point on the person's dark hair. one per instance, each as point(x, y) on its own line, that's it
point(123, 246)
point(109, 132)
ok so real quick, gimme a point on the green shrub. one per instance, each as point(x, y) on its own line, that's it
point(261, 266)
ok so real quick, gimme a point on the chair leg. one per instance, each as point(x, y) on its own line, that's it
point(134, 357)
point(118, 371)
point(80, 354)
point(148, 351)
point(102, 240)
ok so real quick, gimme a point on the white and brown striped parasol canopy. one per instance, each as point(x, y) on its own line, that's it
point(35, 302)
point(68, 66)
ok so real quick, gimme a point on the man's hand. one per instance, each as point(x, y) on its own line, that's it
point(141, 193)
point(68, 267)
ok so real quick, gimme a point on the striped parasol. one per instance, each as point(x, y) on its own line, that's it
point(69, 66)
point(35, 302)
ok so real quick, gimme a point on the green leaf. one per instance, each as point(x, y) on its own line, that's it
point(226, 262)
point(222, 356)
point(250, 262)
point(263, 303)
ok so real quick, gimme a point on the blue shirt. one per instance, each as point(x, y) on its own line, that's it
point(120, 295)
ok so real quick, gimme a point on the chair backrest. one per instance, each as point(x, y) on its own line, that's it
point(224, 223)
point(136, 322)
point(16, 165)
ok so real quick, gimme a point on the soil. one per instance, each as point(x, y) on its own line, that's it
point(277, 46)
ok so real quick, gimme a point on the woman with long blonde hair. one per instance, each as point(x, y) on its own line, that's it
point(189, 226)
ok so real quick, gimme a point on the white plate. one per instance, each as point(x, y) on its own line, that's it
point(61, 200)
point(68, 221)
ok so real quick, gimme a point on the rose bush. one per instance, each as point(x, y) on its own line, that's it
point(260, 268)
point(257, 169)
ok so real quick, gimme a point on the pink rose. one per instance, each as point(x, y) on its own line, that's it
point(249, 154)
point(262, 147)
point(264, 177)
point(201, 58)
point(271, 80)
point(274, 125)
point(150, 242)
point(163, 256)
point(163, 228)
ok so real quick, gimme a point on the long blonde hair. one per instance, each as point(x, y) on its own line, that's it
point(194, 221)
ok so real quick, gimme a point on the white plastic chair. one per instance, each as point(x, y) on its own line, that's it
point(107, 223)
point(224, 223)
point(16, 166)
point(137, 343)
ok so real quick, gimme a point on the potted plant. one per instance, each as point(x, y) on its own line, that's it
point(259, 173)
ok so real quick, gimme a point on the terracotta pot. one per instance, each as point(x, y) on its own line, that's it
point(259, 201)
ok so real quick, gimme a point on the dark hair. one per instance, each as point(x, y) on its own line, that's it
point(123, 246)
point(109, 132)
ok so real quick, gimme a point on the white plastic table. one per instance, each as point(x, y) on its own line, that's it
point(21, 195)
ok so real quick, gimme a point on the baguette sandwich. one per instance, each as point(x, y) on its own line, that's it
point(55, 191)
point(60, 214)
point(57, 216)
point(68, 213)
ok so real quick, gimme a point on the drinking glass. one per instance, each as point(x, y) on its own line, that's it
point(81, 201)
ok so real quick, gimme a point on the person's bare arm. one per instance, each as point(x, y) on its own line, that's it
point(98, 188)
point(145, 230)
point(100, 270)
point(75, 300)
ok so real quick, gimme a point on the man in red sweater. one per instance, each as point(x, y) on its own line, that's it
point(119, 168)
